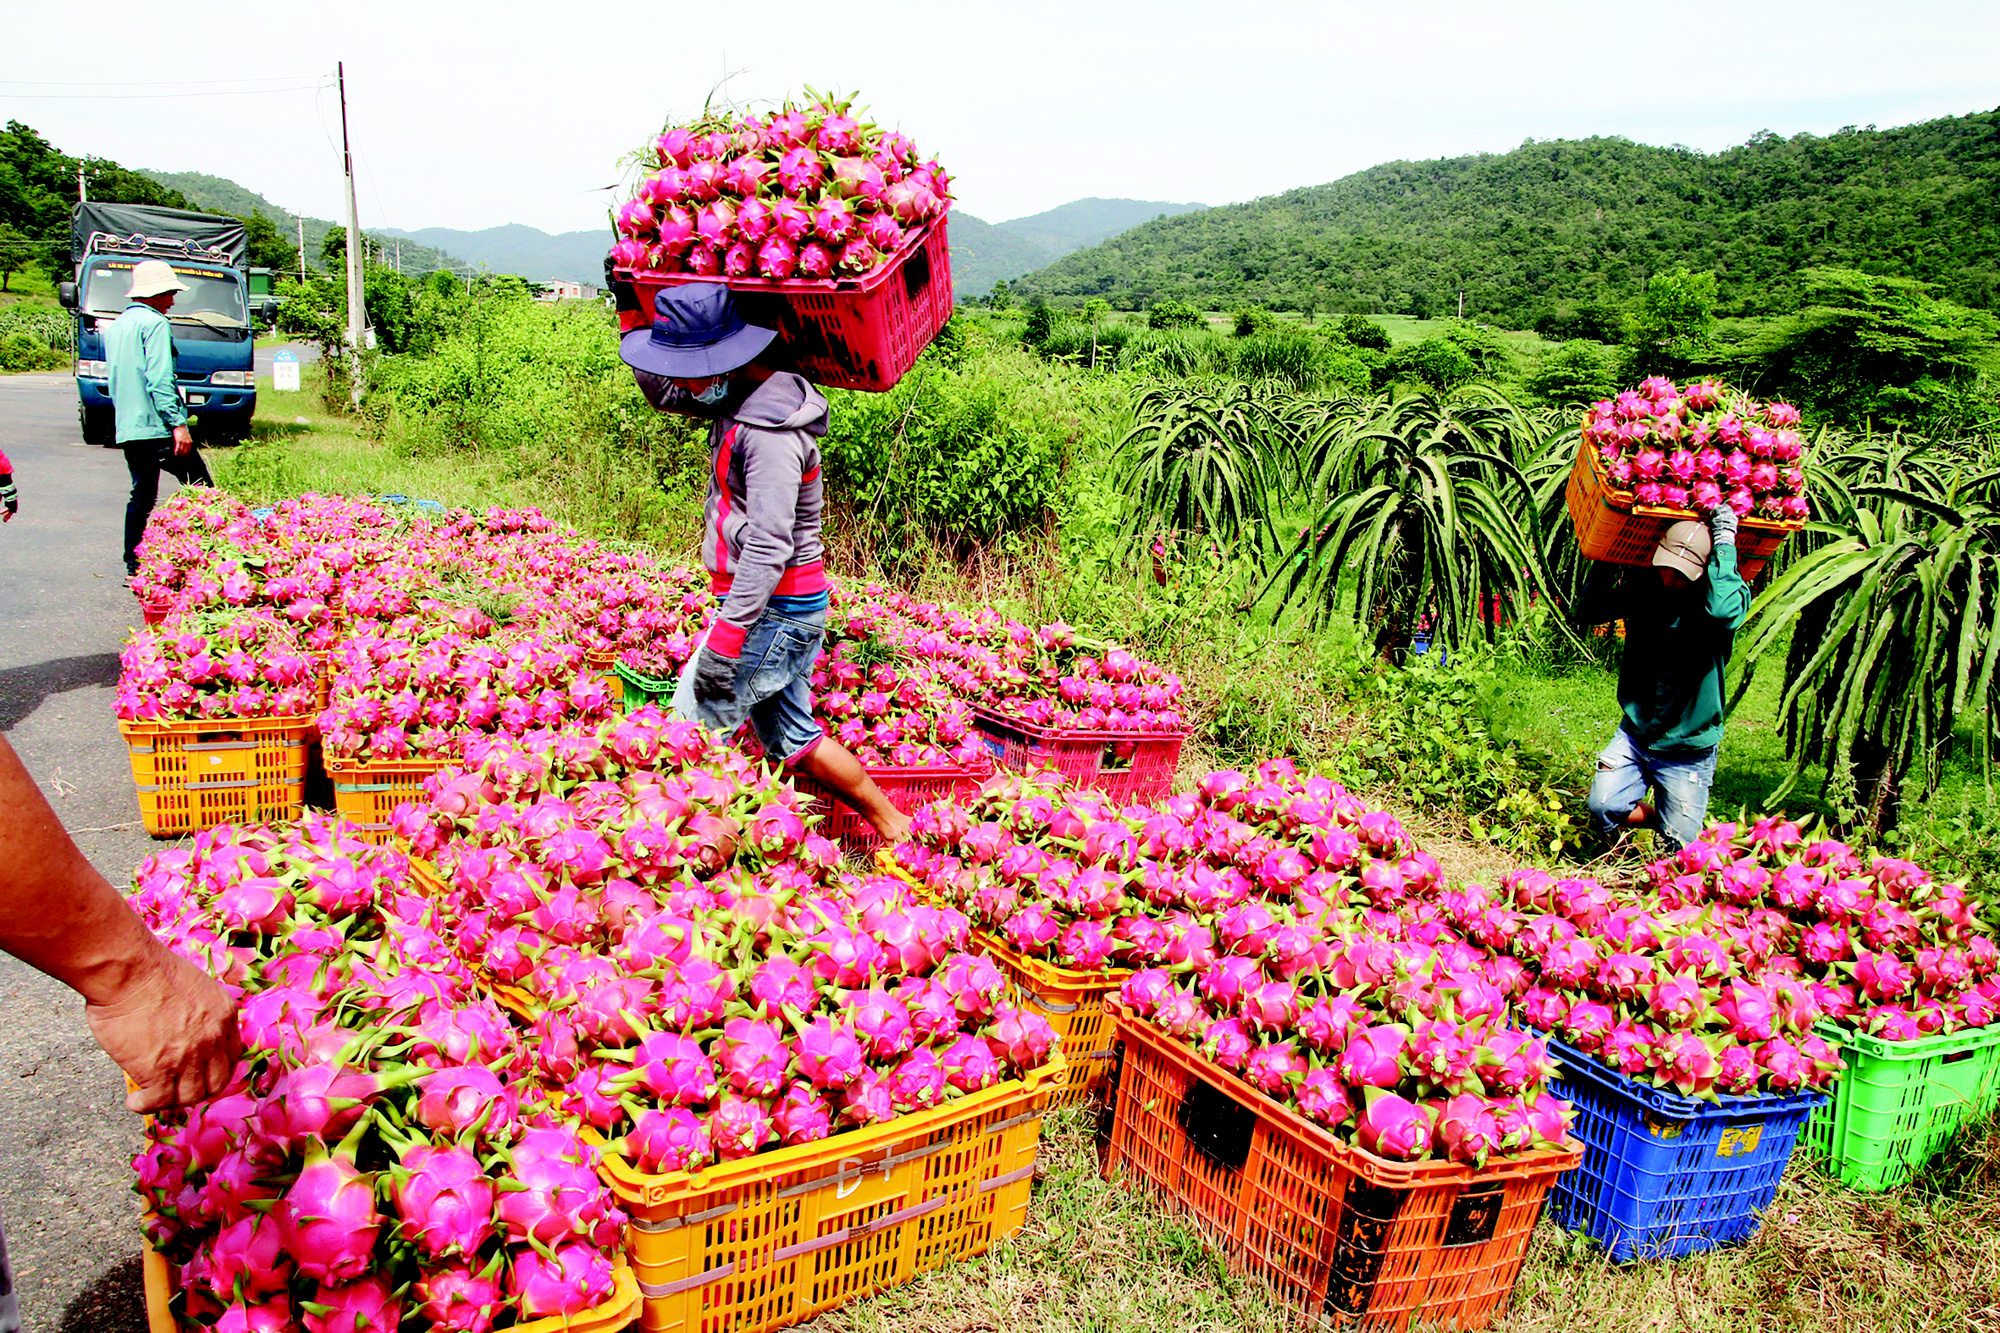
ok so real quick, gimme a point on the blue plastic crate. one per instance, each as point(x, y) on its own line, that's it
point(1665, 1175)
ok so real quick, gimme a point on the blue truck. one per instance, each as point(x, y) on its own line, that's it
point(214, 343)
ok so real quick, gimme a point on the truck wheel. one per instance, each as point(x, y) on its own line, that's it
point(98, 425)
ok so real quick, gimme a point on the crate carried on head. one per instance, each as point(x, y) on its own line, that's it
point(850, 333)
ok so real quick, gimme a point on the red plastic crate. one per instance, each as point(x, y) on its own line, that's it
point(1344, 1235)
point(849, 333)
point(906, 788)
point(1129, 766)
point(1611, 528)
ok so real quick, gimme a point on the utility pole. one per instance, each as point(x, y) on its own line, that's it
point(354, 243)
point(1461, 303)
point(82, 192)
point(300, 219)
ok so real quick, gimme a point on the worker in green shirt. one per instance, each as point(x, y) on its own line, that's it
point(151, 418)
point(1681, 618)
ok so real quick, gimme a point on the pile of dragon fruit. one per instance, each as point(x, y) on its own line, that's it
point(706, 982)
point(383, 1153)
point(889, 708)
point(249, 663)
point(422, 687)
point(803, 194)
point(1045, 676)
point(1281, 927)
point(1710, 978)
point(1701, 447)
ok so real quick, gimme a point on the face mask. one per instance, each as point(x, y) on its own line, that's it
point(713, 394)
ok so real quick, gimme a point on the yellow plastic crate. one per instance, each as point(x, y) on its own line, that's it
point(366, 792)
point(772, 1240)
point(158, 1278)
point(1072, 1001)
point(194, 775)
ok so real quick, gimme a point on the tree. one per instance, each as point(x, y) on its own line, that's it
point(1437, 363)
point(389, 302)
point(1894, 632)
point(1675, 325)
point(268, 246)
point(16, 250)
point(333, 250)
point(1574, 374)
point(1865, 349)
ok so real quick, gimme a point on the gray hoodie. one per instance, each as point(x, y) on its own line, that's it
point(761, 534)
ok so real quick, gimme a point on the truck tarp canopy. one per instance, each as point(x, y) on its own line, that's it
point(169, 224)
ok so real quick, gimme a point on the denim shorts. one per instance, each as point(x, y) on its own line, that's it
point(773, 686)
point(1626, 771)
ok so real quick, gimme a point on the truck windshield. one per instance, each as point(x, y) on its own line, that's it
point(214, 296)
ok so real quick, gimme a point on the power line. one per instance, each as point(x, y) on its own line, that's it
point(155, 97)
point(156, 83)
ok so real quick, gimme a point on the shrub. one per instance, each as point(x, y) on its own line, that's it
point(1290, 356)
point(1574, 374)
point(969, 454)
point(1363, 332)
point(1253, 319)
point(1171, 314)
point(1438, 362)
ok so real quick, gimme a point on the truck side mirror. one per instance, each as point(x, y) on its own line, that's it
point(66, 295)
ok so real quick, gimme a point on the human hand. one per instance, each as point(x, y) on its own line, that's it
point(714, 677)
point(183, 439)
point(1722, 521)
point(173, 1032)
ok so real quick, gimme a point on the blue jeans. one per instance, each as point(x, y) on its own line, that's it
point(773, 686)
point(1625, 772)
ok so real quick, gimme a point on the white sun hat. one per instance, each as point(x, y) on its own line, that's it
point(151, 277)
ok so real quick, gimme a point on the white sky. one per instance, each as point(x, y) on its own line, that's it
point(469, 115)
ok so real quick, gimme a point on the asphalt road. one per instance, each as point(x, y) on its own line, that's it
point(66, 1140)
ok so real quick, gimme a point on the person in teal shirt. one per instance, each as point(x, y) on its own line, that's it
point(1681, 618)
point(152, 421)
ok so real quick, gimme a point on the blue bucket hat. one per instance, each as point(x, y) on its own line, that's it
point(696, 333)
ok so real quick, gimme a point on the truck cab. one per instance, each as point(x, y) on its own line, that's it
point(214, 365)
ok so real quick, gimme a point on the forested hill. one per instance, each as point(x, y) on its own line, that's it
point(1566, 222)
point(219, 195)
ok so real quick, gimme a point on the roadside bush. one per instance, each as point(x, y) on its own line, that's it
point(968, 455)
point(23, 351)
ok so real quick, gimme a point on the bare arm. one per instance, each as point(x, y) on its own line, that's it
point(171, 1028)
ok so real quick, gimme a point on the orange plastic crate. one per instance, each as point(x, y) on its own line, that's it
point(1344, 1234)
point(366, 792)
point(194, 775)
point(158, 1277)
point(1129, 766)
point(772, 1240)
point(1611, 528)
point(851, 333)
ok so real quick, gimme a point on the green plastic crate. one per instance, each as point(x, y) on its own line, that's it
point(642, 690)
point(1900, 1102)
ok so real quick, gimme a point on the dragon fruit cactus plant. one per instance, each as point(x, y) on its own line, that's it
point(382, 1149)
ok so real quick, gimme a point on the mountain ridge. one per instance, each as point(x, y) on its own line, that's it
point(1571, 221)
